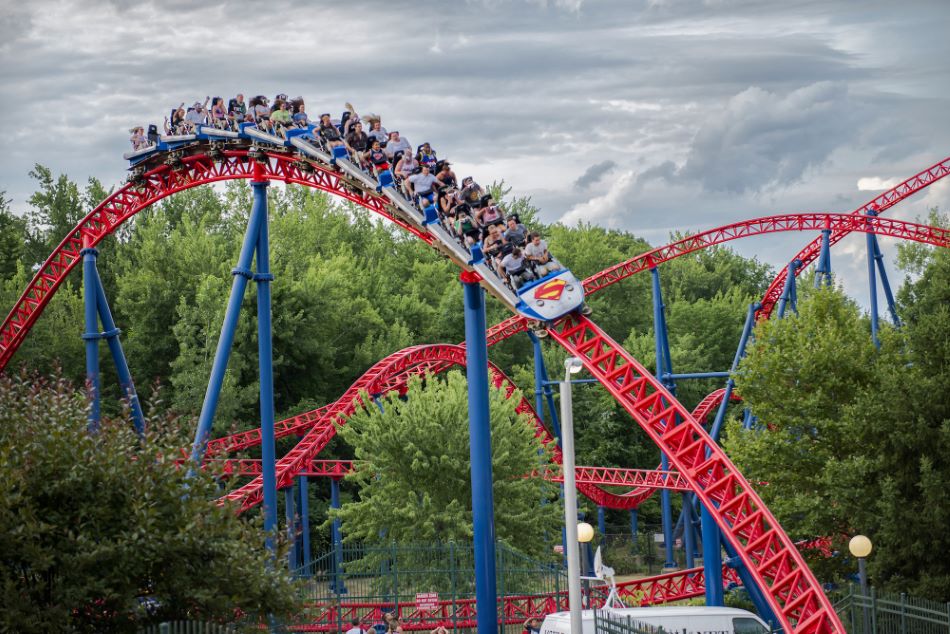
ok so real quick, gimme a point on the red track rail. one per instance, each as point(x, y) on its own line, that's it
point(779, 570)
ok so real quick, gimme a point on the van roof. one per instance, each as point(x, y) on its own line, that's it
point(679, 610)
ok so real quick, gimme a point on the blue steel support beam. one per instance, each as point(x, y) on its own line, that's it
point(111, 333)
point(601, 521)
point(541, 378)
point(823, 268)
point(289, 514)
point(634, 529)
point(91, 336)
point(304, 526)
point(748, 582)
point(885, 284)
point(872, 284)
point(695, 375)
point(663, 367)
point(241, 273)
point(730, 383)
point(483, 508)
point(265, 353)
point(712, 558)
point(789, 293)
point(336, 538)
point(689, 535)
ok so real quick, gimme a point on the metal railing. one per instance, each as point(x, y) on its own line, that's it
point(890, 613)
point(188, 627)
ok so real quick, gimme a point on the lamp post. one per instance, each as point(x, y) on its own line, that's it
point(585, 533)
point(860, 546)
point(572, 365)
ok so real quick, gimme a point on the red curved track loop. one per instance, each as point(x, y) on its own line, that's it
point(392, 373)
point(154, 186)
point(674, 586)
point(612, 476)
point(779, 570)
point(840, 225)
point(888, 199)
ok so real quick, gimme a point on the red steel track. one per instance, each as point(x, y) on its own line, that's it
point(789, 586)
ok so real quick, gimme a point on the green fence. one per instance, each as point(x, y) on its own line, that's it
point(886, 613)
point(188, 627)
point(608, 623)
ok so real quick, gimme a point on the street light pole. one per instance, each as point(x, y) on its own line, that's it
point(860, 546)
point(572, 365)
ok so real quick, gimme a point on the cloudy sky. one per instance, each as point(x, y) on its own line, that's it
point(647, 115)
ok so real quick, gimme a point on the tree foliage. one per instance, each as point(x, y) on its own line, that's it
point(415, 479)
point(106, 532)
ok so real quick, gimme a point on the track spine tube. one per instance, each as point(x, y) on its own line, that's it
point(118, 358)
point(265, 347)
point(90, 277)
point(663, 367)
point(483, 508)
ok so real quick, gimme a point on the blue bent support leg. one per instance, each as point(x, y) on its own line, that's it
point(601, 522)
point(289, 514)
point(265, 351)
point(304, 526)
point(730, 383)
point(748, 582)
point(663, 367)
point(789, 295)
point(336, 538)
point(542, 387)
point(634, 529)
point(885, 284)
point(823, 268)
point(483, 508)
point(872, 284)
point(111, 334)
point(91, 336)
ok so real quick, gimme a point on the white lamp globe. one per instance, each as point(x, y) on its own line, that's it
point(585, 532)
point(860, 546)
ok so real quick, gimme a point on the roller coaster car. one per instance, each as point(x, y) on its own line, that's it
point(551, 297)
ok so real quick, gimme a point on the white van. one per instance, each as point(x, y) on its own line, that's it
point(675, 620)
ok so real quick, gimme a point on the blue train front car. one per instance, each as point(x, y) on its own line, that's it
point(551, 297)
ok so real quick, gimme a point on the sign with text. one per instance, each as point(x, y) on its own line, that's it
point(427, 601)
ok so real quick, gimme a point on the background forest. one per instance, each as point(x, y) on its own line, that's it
point(350, 290)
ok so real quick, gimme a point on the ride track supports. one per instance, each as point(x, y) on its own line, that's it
point(542, 389)
point(304, 504)
point(289, 513)
point(663, 369)
point(789, 295)
point(634, 529)
point(875, 265)
point(823, 267)
point(689, 530)
point(255, 241)
point(483, 508)
point(96, 309)
point(601, 522)
point(336, 540)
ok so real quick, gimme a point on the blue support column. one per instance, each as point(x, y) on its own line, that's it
point(712, 558)
point(748, 582)
point(289, 514)
point(483, 508)
point(663, 367)
point(885, 284)
point(111, 333)
point(241, 273)
point(789, 295)
point(823, 268)
point(265, 352)
point(730, 383)
point(91, 336)
point(542, 388)
point(305, 526)
point(872, 284)
point(601, 522)
point(689, 536)
point(336, 539)
point(634, 529)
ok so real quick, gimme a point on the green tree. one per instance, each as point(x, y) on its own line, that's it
point(12, 239)
point(415, 482)
point(96, 533)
